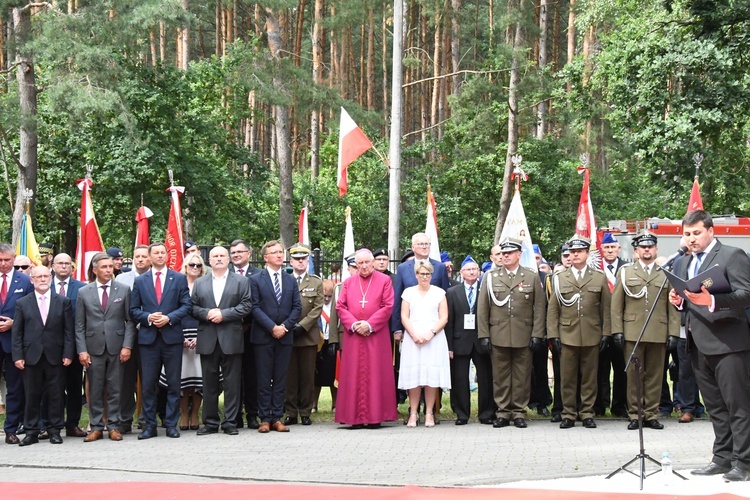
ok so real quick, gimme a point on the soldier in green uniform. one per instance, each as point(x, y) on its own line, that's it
point(510, 322)
point(578, 325)
point(633, 297)
point(300, 380)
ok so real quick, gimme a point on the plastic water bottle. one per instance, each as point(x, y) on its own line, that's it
point(666, 468)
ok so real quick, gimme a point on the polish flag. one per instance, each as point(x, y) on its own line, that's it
point(431, 228)
point(348, 244)
point(352, 144)
point(89, 237)
point(175, 242)
point(141, 234)
point(695, 203)
point(586, 226)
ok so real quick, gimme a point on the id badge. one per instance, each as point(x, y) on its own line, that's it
point(470, 321)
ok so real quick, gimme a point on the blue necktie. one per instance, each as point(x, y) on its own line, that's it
point(277, 287)
point(698, 259)
point(471, 297)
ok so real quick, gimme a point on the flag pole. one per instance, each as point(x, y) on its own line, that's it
point(697, 160)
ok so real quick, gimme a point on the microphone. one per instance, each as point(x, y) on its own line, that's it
point(674, 256)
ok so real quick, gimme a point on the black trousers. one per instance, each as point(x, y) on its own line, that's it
point(38, 379)
point(460, 393)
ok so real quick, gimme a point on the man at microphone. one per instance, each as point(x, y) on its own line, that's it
point(635, 293)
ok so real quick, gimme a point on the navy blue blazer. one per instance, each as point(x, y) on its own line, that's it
point(175, 303)
point(267, 312)
point(19, 286)
point(406, 278)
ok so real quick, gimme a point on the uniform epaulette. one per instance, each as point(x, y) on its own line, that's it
point(530, 270)
point(314, 276)
point(597, 270)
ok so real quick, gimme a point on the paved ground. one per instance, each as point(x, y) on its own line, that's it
point(444, 456)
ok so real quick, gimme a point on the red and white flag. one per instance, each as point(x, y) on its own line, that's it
point(174, 241)
point(352, 144)
point(304, 235)
point(89, 237)
point(141, 234)
point(695, 203)
point(586, 226)
point(348, 244)
point(431, 228)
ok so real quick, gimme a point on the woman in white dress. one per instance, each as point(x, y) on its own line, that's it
point(425, 363)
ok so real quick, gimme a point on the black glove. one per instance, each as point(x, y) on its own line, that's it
point(536, 344)
point(672, 343)
point(619, 340)
point(604, 343)
point(332, 348)
point(298, 331)
point(485, 346)
point(556, 346)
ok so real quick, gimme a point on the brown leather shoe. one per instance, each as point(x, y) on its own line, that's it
point(75, 431)
point(686, 418)
point(279, 427)
point(264, 427)
point(11, 438)
point(115, 435)
point(93, 436)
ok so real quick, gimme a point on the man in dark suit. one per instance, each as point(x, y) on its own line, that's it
point(239, 252)
point(611, 361)
point(718, 338)
point(13, 286)
point(461, 333)
point(220, 302)
point(105, 336)
point(276, 309)
point(160, 299)
point(43, 344)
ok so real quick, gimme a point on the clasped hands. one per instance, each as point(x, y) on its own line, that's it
point(158, 319)
point(422, 337)
point(361, 328)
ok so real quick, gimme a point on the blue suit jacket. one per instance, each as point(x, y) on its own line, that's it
point(175, 303)
point(406, 278)
point(71, 291)
point(267, 312)
point(18, 286)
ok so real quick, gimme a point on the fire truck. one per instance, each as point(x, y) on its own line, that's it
point(732, 230)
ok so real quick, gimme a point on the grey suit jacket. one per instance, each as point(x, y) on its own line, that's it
point(726, 329)
point(235, 304)
point(111, 329)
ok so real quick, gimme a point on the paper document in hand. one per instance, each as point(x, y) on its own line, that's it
point(713, 279)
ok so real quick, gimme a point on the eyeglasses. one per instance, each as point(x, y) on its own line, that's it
point(195, 265)
point(23, 267)
point(424, 275)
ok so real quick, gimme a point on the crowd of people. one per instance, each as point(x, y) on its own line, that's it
point(269, 339)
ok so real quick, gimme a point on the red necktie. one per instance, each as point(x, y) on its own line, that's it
point(62, 288)
point(241, 271)
point(105, 297)
point(158, 287)
point(4, 289)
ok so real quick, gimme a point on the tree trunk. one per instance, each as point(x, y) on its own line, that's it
point(185, 41)
point(317, 61)
point(541, 117)
point(299, 31)
point(571, 36)
point(371, 59)
point(515, 76)
point(455, 45)
point(27, 95)
point(282, 139)
point(436, 74)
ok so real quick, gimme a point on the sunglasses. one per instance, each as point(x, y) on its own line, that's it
point(195, 265)
point(21, 268)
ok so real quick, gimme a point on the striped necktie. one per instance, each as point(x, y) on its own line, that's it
point(277, 286)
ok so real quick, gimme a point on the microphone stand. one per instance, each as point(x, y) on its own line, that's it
point(642, 456)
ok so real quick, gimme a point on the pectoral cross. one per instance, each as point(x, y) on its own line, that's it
point(363, 302)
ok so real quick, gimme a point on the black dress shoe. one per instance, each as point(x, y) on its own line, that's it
point(147, 433)
point(737, 474)
point(543, 411)
point(55, 439)
point(43, 435)
point(633, 425)
point(486, 421)
point(711, 469)
point(172, 432)
point(306, 421)
point(567, 423)
point(653, 424)
point(21, 429)
point(290, 420)
point(205, 430)
point(589, 423)
point(556, 417)
point(231, 431)
point(461, 421)
point(520, 423)
point(12, 439)
point(29, 439)
point(252, 423)
point(501, 422)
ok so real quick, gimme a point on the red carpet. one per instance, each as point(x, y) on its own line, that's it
point(143, 491)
